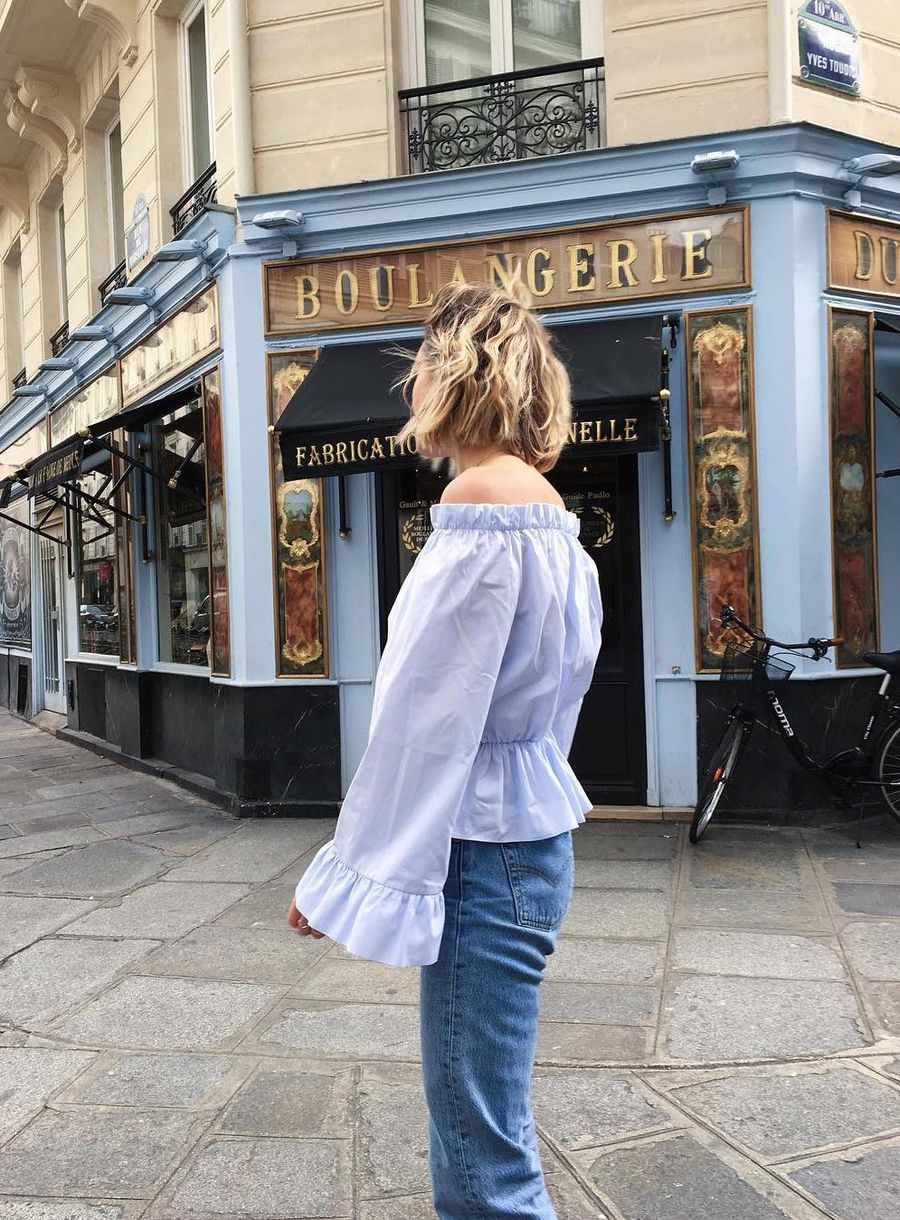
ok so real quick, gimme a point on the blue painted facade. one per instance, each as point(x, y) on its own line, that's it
point(788, 175)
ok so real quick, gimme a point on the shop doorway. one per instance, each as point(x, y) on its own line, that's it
point(53, 623)
point(609, 753)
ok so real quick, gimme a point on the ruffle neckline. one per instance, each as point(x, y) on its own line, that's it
point(538, 514)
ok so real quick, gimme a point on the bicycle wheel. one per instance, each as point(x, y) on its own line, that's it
point(887, 767)
point(721, 769)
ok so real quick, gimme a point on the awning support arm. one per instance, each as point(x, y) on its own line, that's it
point(33, 529)
point(666, 437)
point(888, 474)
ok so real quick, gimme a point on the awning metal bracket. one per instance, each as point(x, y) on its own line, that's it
point(666, 428)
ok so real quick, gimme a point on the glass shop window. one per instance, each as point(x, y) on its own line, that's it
point(182, 568)
point(98, 613)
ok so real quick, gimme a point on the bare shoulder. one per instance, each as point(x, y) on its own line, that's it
point(496, 485)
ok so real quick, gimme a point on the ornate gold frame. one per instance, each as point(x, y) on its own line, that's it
point(692, 477)
point(870, 316)
point(273, 520)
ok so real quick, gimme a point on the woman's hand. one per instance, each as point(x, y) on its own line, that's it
point(300, 923)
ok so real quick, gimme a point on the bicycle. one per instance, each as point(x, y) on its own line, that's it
point(874, 761)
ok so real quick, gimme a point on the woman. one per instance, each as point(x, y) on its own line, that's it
point(453, 848)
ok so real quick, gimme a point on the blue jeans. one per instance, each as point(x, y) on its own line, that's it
point(504, 904)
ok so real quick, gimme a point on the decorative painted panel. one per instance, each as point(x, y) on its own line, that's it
point(219, 616)
point(851, 348)
point(723, 475)
point(15, 576)
point(298, 515)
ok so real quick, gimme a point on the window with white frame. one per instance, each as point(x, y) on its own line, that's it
point(196, 90)
point(453, 40)
point(13, 315)
point(116, 189)
point(61, 264)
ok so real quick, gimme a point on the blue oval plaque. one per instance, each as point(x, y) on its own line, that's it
point(829, 46)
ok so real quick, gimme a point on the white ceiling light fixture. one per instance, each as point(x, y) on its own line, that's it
point(872, 165)
point(92, 334)
point(712, 165)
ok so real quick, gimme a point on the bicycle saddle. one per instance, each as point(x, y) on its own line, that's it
point(888, 661)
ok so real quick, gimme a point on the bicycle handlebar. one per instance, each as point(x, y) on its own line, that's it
point(818, 646)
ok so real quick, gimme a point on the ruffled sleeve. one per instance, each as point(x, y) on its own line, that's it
point(583, 637)
point(378, 886)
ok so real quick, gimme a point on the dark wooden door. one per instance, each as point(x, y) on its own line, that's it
point(609, 750)
point(609, 753)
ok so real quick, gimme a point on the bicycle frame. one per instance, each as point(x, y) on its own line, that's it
point(849, 766)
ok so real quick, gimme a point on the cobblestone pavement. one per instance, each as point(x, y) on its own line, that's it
point(721, 1035)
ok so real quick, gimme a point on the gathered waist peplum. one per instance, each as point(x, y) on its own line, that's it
point(520, 788)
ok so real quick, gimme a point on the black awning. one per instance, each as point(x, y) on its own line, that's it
point(343, 416)
point(887, 321)
point(614, 363)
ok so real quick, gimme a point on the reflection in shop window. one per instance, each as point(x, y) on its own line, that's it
point(98, 615)
point(183, 553)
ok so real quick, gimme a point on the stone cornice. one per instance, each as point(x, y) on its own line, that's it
point(37, 130)
point(52, 96)
point(117, 17)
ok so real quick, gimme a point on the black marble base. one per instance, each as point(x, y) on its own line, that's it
point(15, 682)
point(270, 749)
point(827, 715)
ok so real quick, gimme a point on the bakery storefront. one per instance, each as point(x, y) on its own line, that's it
point(611, 292)
point(125, 506)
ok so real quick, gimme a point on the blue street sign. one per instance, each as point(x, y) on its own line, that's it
point(829, 46)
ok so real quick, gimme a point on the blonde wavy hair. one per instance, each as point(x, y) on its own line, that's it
point(495, 378)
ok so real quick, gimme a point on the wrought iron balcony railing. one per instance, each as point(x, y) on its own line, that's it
point(59, 340)
point(20, 378)
point(489, 119)
point(198, 196)
point(117, 278)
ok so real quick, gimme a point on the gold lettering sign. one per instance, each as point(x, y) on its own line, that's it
point(180, 342)
point(590, 265)
point(863, 254)
point(316, 457)
point(98, 400)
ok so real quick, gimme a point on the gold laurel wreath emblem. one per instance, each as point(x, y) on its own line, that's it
point(408, 532)
point(608, 530)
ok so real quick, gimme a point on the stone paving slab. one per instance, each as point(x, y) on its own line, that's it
point(258, 955)
point(51, 976)
point(861, 1185)
point(321, 1030)
point(678, 1177)
point(95, 871)
point(579, 1110)
point(757, 910)
point(54, 1209)
point(29, 1077)
point(160, 909)
point(25, 919)
point(755, 954)
point(264, 1075)
point(273, 1179)
point(289, 1099)
point(782, 1113)
point(577, 960)
point(188, 1081)
point(733, 1018)
point(861, 898)
point(125, 1154)
point(169, 1014)
point(874, 949)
